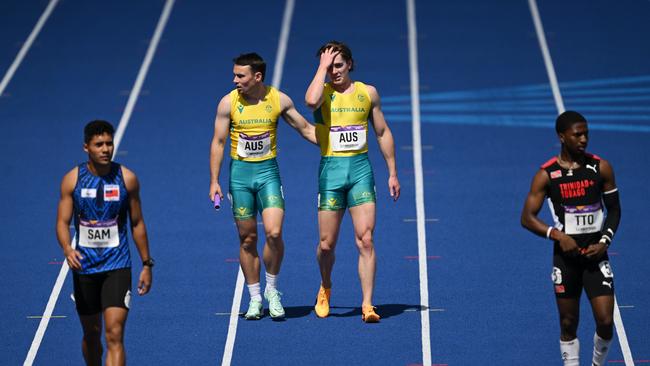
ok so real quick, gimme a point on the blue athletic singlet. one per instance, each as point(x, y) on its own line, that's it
point(100, 216)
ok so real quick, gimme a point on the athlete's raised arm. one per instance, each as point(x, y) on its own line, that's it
point(314, 94)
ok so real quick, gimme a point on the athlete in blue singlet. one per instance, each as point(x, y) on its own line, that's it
point(100, 196)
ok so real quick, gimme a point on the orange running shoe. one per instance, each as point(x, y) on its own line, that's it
point(368, 314)
point(322, 307)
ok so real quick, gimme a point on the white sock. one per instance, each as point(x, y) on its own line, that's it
point(254, 291)
point(570, 352)
point(271, 281)
point(601, 348)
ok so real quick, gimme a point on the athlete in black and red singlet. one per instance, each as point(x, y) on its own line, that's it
point(583, 198)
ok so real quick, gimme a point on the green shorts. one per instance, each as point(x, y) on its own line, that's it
point(254, 186)
point(345, 181)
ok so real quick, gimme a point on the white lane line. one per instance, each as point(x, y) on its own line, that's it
point(622, 337)
point(282, 43)
point(234, 318)
point(550, 69)
point(239, 286)
point(144, 69)
point(49, 308)
point(26, 46)
point(618, 321)
point(419, 185)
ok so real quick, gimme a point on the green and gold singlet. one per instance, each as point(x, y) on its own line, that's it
point(254, 174)
point(253, 127)
point(345, 175)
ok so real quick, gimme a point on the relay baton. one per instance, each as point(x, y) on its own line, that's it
point(217, 201)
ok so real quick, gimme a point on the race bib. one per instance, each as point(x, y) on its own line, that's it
point(99, 234)
point(348, 138)
point(254, 146)
point(583, 219)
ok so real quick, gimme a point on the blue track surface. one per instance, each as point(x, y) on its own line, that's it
point(487, 115)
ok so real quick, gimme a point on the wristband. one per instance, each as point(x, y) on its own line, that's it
point(148, 263)
point(605, 240)
point(548, 232)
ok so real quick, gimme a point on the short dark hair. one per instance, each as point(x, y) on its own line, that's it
point(255, 61)
point(565, 120)
point(97, 127)
point(342, 48)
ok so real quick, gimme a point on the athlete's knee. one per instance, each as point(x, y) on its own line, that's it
point(365, 241)
point(274, 236)
point(605, 325)
point(114, 335)
point(605, 332)
point(568, 326)
point(92, 329)
point(92, 337)
point(326, 244)
point(248, 241)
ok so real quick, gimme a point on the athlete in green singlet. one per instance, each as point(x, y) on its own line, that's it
point(343, 109)
point(249, 114)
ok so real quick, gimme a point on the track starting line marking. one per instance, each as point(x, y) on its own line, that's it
point(415, 220)
point(415, 257)
point(623, 361)
point(424, 147)
point(434, 310)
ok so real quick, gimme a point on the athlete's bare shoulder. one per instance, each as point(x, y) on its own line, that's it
point(69, 180)
point(130, 179)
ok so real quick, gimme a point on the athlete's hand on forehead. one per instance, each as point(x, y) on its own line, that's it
point(328, 56)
